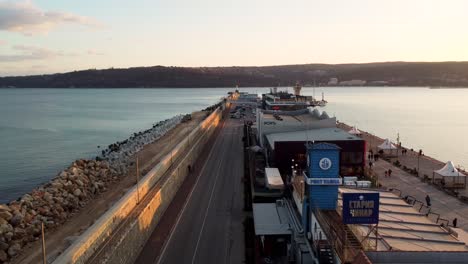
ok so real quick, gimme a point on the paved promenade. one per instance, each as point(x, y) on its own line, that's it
point(448, 206)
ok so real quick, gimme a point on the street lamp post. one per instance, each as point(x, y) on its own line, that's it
point(419, 156)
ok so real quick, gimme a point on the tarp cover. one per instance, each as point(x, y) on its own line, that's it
point(449, 170)
point(387, 145)
point(273, 179)
point(355, 131)
point(256, 149)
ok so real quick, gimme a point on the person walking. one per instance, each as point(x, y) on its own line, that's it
point(454, 222)
point(428, 200)
point(390, 173)
point(370, 165)
point(386, 173)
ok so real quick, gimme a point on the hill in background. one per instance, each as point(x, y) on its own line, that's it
point(444, 74)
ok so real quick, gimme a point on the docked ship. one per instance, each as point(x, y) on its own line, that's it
point(285, 101)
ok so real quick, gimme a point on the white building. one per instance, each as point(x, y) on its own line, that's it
point(333, 82)
point(353, 83)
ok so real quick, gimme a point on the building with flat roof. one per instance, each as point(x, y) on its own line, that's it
point(268, 122)
point(284, 147)
point(279, 235)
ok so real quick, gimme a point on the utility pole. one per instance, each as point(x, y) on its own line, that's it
point(138, 179)
point(44, 259)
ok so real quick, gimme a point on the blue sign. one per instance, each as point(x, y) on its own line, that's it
point(360, 208)
point(324, 181)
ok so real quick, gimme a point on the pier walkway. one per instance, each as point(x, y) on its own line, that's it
point(204, 222)
point(442, 203)
point(446, 205)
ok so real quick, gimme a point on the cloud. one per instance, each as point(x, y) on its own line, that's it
point(28, 19)
point(29, 53)
point(95, 52)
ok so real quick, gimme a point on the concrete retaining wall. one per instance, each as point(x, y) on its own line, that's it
point(137, 232)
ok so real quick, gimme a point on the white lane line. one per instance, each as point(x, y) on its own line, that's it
point(163, 252)
point(206, 213)
point(209, 203)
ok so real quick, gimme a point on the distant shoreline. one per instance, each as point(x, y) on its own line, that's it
point(230, 87)
point(391, 74)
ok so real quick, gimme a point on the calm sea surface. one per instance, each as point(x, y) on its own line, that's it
point(43, 130)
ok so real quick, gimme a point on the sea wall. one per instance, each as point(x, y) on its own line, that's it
point(129, 235)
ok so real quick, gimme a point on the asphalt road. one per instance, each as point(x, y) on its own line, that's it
point(208, 226)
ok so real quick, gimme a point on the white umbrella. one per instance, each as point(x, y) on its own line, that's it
point(354, 131)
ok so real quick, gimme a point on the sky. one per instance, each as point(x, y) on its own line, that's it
point(48, 36)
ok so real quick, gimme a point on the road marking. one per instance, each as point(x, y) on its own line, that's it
point(161, 256)
point(206, 212)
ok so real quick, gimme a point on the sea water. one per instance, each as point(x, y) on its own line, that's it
point(43, 130)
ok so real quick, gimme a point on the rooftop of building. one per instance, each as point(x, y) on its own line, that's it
point(301, 116)
point(271, 219)
point(403, 228)
point(318, 135)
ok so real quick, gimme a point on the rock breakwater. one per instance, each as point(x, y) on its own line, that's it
point(119, 154)
point(51, 204)
point(62, 197)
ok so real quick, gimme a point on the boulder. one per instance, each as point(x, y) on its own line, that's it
point(16, 219)
point(19, 233)
point(5, 228)
point(6, 215)
point(27, 197)
point(57, 185)
point(8, 236)
point(74, 171)
point(80, 183)
point(44, 210)
point(15, 206)
point(14, 249)
point(63, 175)
point(3, 256)
point(3, 245)
point(4, 207)
point(77, 192)
point(48, 197)
point(3, 221)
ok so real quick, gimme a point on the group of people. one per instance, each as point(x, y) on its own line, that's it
point(388, 173)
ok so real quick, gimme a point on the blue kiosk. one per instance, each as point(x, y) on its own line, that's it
point(322, 179)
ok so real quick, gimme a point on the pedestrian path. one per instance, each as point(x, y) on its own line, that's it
point(447, 206)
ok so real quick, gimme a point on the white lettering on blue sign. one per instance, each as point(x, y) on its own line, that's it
point(323, 181)
point(325, 163)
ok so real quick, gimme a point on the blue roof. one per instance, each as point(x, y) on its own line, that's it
point(322, 146)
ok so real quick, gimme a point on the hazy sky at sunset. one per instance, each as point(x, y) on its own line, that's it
point(44, 36)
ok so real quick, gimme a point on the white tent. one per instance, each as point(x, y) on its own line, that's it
point(449, 170)
point(387, 145)
point(354, 131)
point(451, 176)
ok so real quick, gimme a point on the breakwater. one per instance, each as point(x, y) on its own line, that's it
point(72, 189)
point(119, 234)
